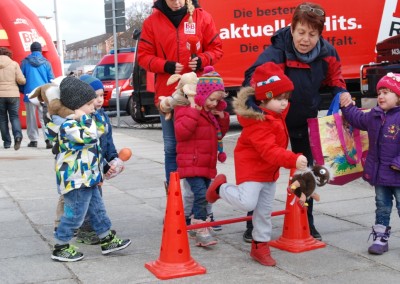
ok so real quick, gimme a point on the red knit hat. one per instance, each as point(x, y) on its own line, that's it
point(390, 81)
point(269, 81)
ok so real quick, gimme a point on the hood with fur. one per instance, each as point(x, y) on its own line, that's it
point(245, 106)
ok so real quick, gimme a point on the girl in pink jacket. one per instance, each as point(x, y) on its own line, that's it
point(199, 129)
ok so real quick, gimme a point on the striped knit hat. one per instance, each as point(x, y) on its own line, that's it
point(209, 83)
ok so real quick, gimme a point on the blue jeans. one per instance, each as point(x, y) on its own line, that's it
point(384, 203)
point(9, 108)
point(199, 187)
point(168, 132)
point(78, 203)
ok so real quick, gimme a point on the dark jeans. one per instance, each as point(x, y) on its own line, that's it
point(300, 144)
point(9, 108)
point(168, 132)
point(199, 186)
point(384, 196)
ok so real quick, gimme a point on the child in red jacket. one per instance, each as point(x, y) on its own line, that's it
point(260, 151)
point(199, 129)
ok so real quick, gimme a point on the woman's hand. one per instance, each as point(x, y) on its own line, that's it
point(195, 63)
point(178, 68)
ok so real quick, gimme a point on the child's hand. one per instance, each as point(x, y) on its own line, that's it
point(301, 163)
point(116, 167)
point(346, 100)
point(218, 113)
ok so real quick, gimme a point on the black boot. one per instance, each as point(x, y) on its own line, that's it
point(48, 144)
point(314, 233)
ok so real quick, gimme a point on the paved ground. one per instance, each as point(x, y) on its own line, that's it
point(136, 203)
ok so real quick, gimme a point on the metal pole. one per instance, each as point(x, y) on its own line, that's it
point(117, 91)
point(60, 47)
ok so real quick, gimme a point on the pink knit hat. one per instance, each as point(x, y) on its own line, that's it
point(390, 81)
point(209, 83)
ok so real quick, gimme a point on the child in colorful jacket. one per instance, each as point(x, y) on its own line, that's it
point(259, 153)
point(382, 165)
point(199, 130)
point(78, 171)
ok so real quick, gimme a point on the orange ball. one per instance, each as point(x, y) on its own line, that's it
point(125, 154)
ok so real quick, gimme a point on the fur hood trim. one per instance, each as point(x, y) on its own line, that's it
point(244, 104)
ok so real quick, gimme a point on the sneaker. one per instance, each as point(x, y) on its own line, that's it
point(216, 227)
point(192, 234)
point(112, 243)
point(314, 233)
point(247, 235)
point(32, 144)
point(67, 253)
point(203, 235)
point(48, 144)
point(87, 237)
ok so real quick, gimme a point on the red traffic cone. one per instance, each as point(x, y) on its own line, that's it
point(175, 260)
point(296, 231)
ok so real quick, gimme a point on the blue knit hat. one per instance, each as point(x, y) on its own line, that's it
point(95, 83)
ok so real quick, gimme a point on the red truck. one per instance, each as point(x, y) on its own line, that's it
point(246, 26)
point(105, 72)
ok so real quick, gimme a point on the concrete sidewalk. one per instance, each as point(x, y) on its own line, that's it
point(135, 201)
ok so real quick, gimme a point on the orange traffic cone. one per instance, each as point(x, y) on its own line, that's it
point(175, 260)
point(296, 231)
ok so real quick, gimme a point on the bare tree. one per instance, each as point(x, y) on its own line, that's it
point(137, 13)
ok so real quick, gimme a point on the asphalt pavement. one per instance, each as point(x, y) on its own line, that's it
point(136, 203)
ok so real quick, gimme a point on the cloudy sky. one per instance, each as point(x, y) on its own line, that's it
point(78, 19)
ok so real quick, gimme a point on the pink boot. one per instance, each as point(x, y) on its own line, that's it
point(261, 253)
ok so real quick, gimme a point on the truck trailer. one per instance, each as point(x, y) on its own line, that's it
point(366, 35)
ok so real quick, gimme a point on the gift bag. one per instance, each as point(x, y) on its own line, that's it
point(336, 144)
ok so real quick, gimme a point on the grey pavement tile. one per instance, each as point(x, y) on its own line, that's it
point(369, 275)
point(6, 203)
point(324, 261)
point(26, 246)
point(15, 229)
point(356, 243)
point(347, 207)
point(34, 269)
point(11, 215)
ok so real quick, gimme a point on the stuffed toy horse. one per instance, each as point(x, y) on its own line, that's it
point(304, 183)
point(184, 94)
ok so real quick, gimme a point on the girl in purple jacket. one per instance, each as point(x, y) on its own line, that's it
point(382, 166)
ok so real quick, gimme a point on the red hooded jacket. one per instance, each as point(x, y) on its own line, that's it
point(262, 146)
point(161, 41)
point(196, 138)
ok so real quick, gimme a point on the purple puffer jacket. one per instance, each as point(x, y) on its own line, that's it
point(384, 143)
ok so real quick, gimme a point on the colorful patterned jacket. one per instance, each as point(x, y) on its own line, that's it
point(78, 163)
